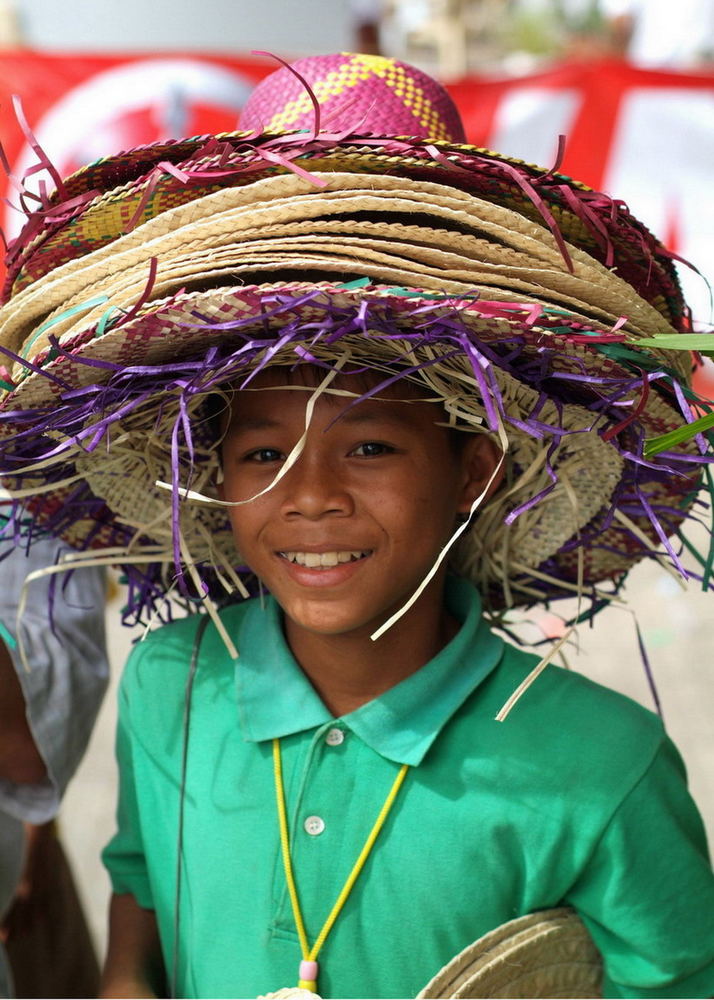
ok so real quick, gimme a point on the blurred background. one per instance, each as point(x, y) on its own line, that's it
point(630, 83)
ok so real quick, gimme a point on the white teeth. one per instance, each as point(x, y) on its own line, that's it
point(319, 560)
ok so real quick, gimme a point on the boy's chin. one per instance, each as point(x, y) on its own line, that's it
point(354, 618)
point(331, 622)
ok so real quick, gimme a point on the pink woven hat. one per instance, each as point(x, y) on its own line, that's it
point(368, 94)
point(350, 225)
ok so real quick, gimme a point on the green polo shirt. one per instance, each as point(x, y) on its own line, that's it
point(578, 798)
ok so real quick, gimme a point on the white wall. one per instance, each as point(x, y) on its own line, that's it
point(292, 27)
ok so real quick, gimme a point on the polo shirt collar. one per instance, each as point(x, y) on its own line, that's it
point(276, 699)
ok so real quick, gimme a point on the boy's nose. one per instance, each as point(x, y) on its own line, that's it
point(313, 489)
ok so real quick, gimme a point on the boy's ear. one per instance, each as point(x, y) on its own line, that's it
point(480, 459)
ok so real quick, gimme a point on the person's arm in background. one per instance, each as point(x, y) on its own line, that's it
point(134, 955)
point(48, 710)
point(134, 964)
point(20, 760)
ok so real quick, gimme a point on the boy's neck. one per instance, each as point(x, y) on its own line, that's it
point(349, 670)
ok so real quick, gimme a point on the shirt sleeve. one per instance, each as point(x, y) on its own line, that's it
point(647, 895)
point(67, 669)
point(124, 856)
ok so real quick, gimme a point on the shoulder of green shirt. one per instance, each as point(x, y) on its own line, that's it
point(570, 719)
point(158, 664)
point(567, 706)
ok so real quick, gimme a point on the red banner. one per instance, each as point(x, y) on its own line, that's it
point(646, 136)
point(82, 107)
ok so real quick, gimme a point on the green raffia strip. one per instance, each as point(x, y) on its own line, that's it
point(624, 354)
point(707, 563)
point(665, 442)
point(7, 638)
point(349, 286)
point(587, 616)
point(67, 314)
point(106, 321)
point(636, 361)
point(703, 343)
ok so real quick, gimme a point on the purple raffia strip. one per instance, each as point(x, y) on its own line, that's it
point(39, 370)
point(236, 360)
point(686, 411)
point(655, 522)
point(175, 504)
point(637, 409)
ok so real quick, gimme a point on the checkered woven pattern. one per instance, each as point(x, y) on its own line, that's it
point(366, 94)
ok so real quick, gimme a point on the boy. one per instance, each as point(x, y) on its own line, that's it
point(416, 347)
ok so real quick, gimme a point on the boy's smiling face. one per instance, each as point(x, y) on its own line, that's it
point(351, 530)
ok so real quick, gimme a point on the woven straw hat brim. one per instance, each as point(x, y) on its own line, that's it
point(501, 559)
point(545, 954)
point(453, 245)
point(108, 215)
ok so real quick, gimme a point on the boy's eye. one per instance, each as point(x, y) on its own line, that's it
point(369, 449)
point(264, 455)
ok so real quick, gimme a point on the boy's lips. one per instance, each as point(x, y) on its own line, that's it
point(324, 560)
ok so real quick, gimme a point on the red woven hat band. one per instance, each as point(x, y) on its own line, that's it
point(364, 94)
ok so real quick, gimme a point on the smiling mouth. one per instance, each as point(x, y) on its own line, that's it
point(325, 560)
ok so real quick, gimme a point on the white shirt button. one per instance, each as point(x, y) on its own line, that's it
point(334, 737)
point(314, 825)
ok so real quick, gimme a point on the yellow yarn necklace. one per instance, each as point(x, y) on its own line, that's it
point(308, 971)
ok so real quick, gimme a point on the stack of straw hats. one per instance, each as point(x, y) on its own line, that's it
point(348, 222)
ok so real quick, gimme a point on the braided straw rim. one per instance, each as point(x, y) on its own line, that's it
point(544, 954)
point(83, 216)
point(278, 223)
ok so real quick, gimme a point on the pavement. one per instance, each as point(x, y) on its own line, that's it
point(676, 628)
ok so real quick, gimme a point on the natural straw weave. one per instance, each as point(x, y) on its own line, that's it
point(544, 954)
point(140, 448)
point(443, 243)
point(105, 218)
